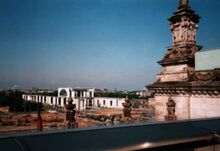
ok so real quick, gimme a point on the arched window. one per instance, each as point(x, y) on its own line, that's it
point(63, 92)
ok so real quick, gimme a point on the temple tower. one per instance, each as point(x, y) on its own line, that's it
point(177, 80)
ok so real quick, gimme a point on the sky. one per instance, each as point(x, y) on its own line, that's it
point(91, 43)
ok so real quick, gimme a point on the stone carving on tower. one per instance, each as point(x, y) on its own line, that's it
point(183, 25)
point(183, 2)
point(170, 109)
point(179, 58)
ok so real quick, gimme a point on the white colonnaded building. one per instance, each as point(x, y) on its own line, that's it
point(83, 98)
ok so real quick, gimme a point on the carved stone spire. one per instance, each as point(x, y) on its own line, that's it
point(184, 2)
point(183, 25)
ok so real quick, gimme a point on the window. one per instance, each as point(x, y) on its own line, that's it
point(59, 101)
point(103, 102)
point(64, 101)
point(51, 100)
point(98, 103)
point(70, 93)
point(90, 94)
point(78, 93)
point(63, 92)
point(111, 103)
point(90, 102)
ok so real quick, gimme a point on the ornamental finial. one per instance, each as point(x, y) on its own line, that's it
point(184, 2)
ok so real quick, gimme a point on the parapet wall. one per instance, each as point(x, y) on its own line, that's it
point(189, 106)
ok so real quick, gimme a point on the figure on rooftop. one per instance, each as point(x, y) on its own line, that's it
point(170, 110)
point(127, 108)
point(70, 114)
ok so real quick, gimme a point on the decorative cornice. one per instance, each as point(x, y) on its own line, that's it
point(184, 3)
point(180, 55)
point(200, 87)
point(184, 10)
point(183, 25)
point(209, 75)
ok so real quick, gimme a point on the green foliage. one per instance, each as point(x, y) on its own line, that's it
point(14, 100)
point(63, 92)
point(55, 93)
point(29, 106)
point(8, 98)
point(110, 94)
point(132, 96)
point(4, 99)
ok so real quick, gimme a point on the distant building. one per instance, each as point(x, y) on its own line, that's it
point(144, 93)
point(207, 60)
point(108, 102)
point(83, 98)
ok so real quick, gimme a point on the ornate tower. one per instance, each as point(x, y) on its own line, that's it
point(173, 81)
point(180, 91)
point(183, 25)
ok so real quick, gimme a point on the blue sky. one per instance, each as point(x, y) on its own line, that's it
point(91, 43)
